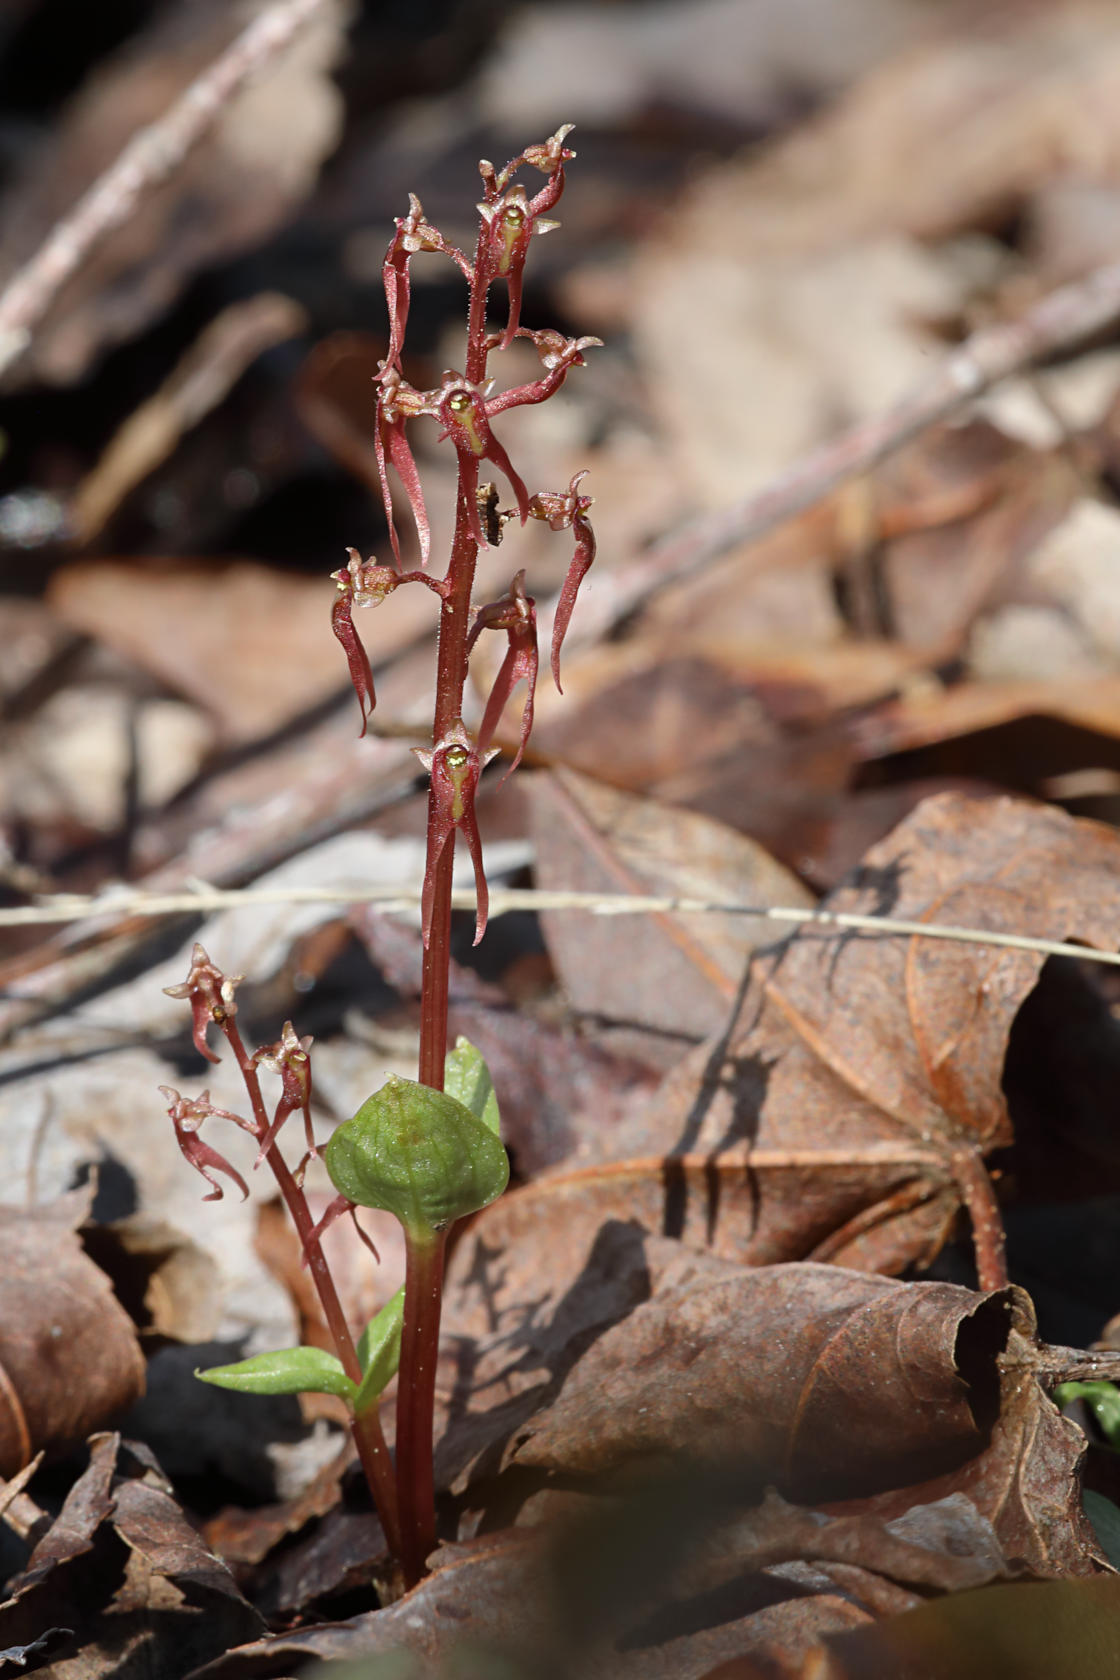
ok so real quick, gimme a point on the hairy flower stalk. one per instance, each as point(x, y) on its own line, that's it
point(427, 1155)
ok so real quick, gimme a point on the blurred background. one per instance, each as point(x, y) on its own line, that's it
point(783, 212)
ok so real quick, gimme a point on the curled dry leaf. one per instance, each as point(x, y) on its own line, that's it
point(773, 1367)
point(840, 1385)
point(844, 1112)
point(69, 1355)
point(886, 1395)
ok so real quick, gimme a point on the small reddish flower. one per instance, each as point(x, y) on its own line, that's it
point(187, 1115)
point(212, 998)
point(413, 234)
point(396, 404)
point(512, 221)
point(553, 153)
point(357, 588)
point(558, 356)
point(516, 614)
point(465, 415)
point(562, 512)
point(289, 1058)
point(455, 764)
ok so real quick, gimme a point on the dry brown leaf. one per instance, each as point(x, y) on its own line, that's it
point(851, 1042)
point(833, 1384)
point(665, 978)
point(125, 1569)
point(929, 714)
point(843, 1115)
point(69, 1355)
point(170, 1284)
point(497, 1597)
point(835, 1381)
point(887, 1396)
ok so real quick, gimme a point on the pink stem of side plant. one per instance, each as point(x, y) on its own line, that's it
point(369, 1439)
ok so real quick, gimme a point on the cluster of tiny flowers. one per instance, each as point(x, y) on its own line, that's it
point(465, 410)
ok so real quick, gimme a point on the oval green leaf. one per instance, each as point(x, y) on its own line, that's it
point(467, 1078)
point(379, 1351)
point(419, 1154)
point(298, 1370)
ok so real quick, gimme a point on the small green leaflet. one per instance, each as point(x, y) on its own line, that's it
point(467, 1078)
point(379, 1351)
point(298, 1370)
point(1102, 1399)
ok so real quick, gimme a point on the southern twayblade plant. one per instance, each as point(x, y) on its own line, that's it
point(426, 1151)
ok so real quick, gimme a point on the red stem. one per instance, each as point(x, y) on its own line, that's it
point(369, 1438)
point(423, 1290)
point(424, 1272)
point(451, 678)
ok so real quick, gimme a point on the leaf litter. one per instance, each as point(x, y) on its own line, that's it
point(717, 1387)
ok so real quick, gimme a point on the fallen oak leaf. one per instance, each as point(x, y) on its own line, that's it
point(853, 1041)
point(841, 1383)
point(846, 1387)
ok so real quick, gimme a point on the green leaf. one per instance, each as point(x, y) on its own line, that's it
point(467, 1078)
point(1102, 1399)
point(298, 1370)
point(419, 1154)
point(1105, 1518)
point(379, 1351)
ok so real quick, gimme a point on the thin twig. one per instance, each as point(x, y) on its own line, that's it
point(67, 907)
point(149, 159)
point(1062, 318)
